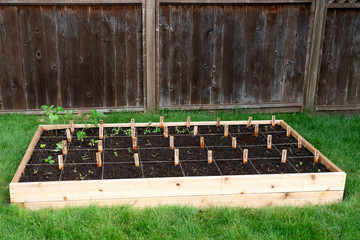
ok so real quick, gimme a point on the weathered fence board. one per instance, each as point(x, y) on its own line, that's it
point(232, 54)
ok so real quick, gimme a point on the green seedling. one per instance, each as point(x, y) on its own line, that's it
point(93, 142)
point(85, 157)
point(156, 130)
point(81, 135)
point(300, 163)
point(90, 172)
point(95, 117)
point(319, 170)
point(49, 160)
point(116, 154)
point(129, 150)
point(59, 147)
point(115, 131)
point(81, 177)
point(42, 145)
point(127, 132)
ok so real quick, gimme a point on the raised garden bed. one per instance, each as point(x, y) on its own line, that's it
point(215, 175)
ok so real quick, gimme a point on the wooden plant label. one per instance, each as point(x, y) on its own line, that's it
point(72, 126)
point(202, 143)
point(316, 156)
point(176, 157)
point(288, 131)
point(136, 159)
point(134, 142)
point(226, 130)
point(61, 162)
point(171, 142)
point(283, 156)
point(101, 131)
point(64, 147)
point(210, 156)
point(273, 121)
point(166, 131)
point(102, 122)
point(233, 139)
point(161, 122)
point(218, 122)
point(245, 156)
point(132, 123)
point(188, 122)
point(269, 141)
point(249, 122)
point(300, 142)
point(100, 146)
point(256, 130)
point(132, 132)
point(195, 130)
point(68, 135)
point(98, 159)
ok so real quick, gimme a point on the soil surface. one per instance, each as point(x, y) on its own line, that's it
point(156, 159)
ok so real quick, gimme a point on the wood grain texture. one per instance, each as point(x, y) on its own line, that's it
point(237, 54)
point(73, 56)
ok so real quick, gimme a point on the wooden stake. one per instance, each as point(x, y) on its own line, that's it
point(166, 131)
point(101, 130)
point(98, 159)
point(299, 142)
point(233, 139)
point(132, 132)
point(68, 135)
point(176, 157)
point(61, 162)
point(256, 130)
point(136, 159)
point(161, 122)
point(273, 121)
point(218, 122)
point(134, 142)
point(210, 156)
point(226, 130)
point(316, 156)
point(188, 122)
point(269, 141)
point(283, 156)
point(132, 123)
point(202, 143)
point(245, 156)
point(100, 146)
point(288, 131)
point(171, 142)
point(249, 122)
point(101, 122)
point(64, 147)
point(195, 130)
point(72, 126)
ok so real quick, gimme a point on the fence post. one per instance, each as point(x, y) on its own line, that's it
point(315, 55)
point(150, 54)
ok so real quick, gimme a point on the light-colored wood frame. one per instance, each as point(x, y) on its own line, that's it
point(246, 190)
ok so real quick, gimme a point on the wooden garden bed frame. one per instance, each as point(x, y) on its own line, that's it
point(235, 190)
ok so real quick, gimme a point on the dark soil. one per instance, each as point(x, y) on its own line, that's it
point(117, 132)
point(41, 173)
point(81, 172)
point(249, 139)
point(226, 153)
point(270, 128)
point(262, 152)
point(154, 155)
point(272, 166)
point(306, 165)
point(231, 167)
point(241, 129)
point(90, 132)
point(153, 141)
point(181, 130)
point(49, 142)
point(186, 141)
point(200, 169)
point(121, 170)
point(211, 129)
point(118, 155)
point(293, 150)
point(217, 140)
point(193, 154)
point(54, 133)
point(81, 156)
point(281, 138)
point(164, 169)
point(39, 156)
point(118, 142)
point(87, 143)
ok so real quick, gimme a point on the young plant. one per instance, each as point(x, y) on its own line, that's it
point(93, 142)
point(42, 145)
point(69, 115)
point(156, 130)
point(116, 154)
point(59, 147)
point(127, 132)
point(85, 157)
point(115, 131)
point(95, 117)
point(52, 113)
point(49, 159)
point(81, 135)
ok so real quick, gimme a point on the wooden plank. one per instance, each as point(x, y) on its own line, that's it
point(348, 107)
point(174, 187)
point(3, 57)
point(235, 1)
point(244, 200)
point(341, 5)
point(67, 2)
point(353, 96)
point(150, 16)
point(140, 59)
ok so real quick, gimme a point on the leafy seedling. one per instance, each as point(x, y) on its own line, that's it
point(116, 154)
point(69, 115)
point(42, 145)
point(93, 142)
point(127, 132)
point(81, 177)
point(49, 160)
point(52, 113)
point(81, 135)
point(85, 157)
point(115, 131)
point(300, 163)
point(95, 117)
point(156, 130)
point(59, 147)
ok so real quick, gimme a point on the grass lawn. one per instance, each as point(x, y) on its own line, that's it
point(337, 136)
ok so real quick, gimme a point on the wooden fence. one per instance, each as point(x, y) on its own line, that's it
point(274, 55)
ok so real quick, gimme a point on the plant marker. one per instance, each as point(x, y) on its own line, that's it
point(171, 142)
point(210, 156)
point(288, 131)
point(136, 159)
point(61, 162)
point(233, 139)
point(273, 121)
point(100, 146)
point(101, 130)
point(176, 157)
point(316, 156)
point(283, 156)
point(269, 140)
point(64, 147)
point(68, 135)
point(161, 122)
point(300, 142)
point(202, 143)
point(188, 122)
point(218, 122)
point(72, 126)
point(98, 159)
point(245, 156)
point(132, 123)
point(134, 142)
point(132, 132)
point(256, 130)
point(226, 130)
point(249, 122)
point(101, 122)
point(166, 131)
point(195, 130)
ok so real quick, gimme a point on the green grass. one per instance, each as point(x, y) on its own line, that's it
point(337, 136)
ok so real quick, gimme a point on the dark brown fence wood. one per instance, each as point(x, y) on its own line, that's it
point(73, 56)
point(232, 54)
